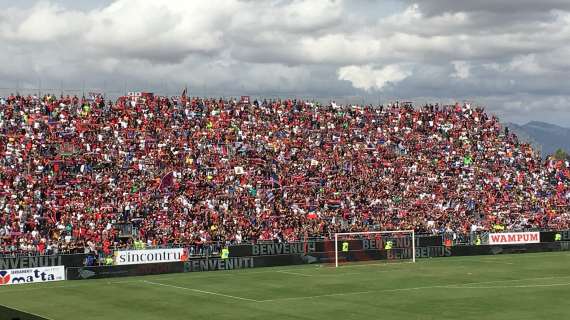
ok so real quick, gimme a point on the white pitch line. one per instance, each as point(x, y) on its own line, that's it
point(448, 286)
point(497, 262)
point(39, 288)
point(536, 255)
point(80, 284)
point(318, 296)
point(199, 291)
point(518, 286)
point(88, 283)
point(294, 273)
point(370, 264)
point(513, 280)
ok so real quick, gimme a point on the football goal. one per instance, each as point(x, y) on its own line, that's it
point(388, 246)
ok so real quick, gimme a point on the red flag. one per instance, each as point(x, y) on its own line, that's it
point(166, 181)
point(183, 96)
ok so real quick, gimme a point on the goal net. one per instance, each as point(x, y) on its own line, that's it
point(385, 246)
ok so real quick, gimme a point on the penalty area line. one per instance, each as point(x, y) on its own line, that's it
point(199, 291)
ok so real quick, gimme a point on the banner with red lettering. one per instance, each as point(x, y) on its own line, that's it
point(514, 237)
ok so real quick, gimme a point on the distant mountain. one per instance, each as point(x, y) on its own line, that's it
point(545, 137)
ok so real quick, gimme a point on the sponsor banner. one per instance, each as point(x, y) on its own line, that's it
point(274, 248)
point(100, 272)
point(308, 247)
point(271, 249)
point(150, 256)
point(32, 275)
point(22, 262)
point(433, 252)
point(514, 238)
point(212, 264)
point(379, 244)
point(216, 264)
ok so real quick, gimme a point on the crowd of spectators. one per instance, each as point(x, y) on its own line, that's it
point(190, 170)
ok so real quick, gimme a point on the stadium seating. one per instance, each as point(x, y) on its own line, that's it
point(191, 171)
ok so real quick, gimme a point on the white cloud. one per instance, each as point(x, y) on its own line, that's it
point(367, 77)
point(526, 64)
point(462, 69)
point(327, 47)
point(521, 64)
point(45, 22)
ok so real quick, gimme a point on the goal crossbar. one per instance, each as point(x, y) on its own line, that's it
point(411, 232)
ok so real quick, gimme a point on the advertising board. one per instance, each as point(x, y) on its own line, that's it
point(514, 238)
point(99, 272)
point(150, 256)
point(23, 262)
point(32, 275)
point(308, 247)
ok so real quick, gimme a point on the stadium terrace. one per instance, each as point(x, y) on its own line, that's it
point(182, 171)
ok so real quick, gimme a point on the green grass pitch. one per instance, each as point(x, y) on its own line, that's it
point(521, 286)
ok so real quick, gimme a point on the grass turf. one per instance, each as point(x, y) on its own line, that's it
point(523, 286)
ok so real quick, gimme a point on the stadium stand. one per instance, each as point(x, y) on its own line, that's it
point(190, 171)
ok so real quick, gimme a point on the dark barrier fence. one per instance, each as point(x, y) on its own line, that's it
point(99, 272)
point(548, 236)
point(214, 264)
point(20, 262)
point(275, 248)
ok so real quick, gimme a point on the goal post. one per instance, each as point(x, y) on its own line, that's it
point(375, 245)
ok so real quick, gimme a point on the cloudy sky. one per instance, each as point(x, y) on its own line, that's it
point(513, 56)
